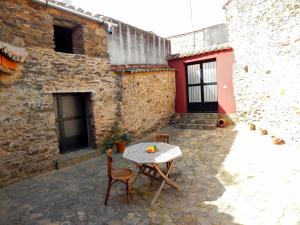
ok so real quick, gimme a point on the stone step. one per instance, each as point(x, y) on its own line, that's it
point(196, 126)
point(198, 121)
point(199, 115)
point(72, 158)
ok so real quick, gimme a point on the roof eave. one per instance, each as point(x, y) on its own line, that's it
point(72, 10)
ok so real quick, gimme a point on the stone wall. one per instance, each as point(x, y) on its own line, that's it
point(265, 36)
point(147, 100)
point(29, 143)
point(27, 26)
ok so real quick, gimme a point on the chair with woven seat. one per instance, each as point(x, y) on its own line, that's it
point(115, 175)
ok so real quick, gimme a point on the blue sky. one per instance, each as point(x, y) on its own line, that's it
point(163, 17)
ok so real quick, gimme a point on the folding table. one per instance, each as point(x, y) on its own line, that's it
point(149, 163)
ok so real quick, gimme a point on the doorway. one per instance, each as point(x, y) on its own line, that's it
point(202, 87)
point(71, 122)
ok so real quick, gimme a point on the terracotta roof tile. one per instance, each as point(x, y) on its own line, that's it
point(140, 68)
point(15, 54)
point(199, 52)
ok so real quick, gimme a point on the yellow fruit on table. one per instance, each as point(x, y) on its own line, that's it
point(151, 149)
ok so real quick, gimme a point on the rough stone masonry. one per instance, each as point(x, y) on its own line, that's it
point(28, 137)
point(265, 35)
point(147, 100)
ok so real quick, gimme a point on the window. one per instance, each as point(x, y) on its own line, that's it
point(63, 39)
point(68, 36)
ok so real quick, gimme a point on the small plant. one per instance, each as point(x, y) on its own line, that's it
point(121, 141)
point(125, 137)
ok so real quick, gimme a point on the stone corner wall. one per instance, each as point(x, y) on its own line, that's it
point(148, 101)
point(28, 138)
point(265, 36)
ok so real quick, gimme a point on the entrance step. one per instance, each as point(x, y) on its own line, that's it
point(199, 115)
point(196, 121)
point(196, 126)
point(75, 157)
point(201, 121)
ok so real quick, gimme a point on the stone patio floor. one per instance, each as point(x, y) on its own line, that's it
point(229, 176)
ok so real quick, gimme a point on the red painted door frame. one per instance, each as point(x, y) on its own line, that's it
point(224, 60)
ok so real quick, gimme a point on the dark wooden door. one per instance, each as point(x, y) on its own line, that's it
point(71, 121)
point(202, 87)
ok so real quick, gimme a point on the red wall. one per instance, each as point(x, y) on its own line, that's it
point(225, 59)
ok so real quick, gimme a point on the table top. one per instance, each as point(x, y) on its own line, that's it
point(165, 152)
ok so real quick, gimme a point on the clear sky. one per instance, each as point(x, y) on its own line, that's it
point(163, 17)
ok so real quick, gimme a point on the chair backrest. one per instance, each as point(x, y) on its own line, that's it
point(109, 162)
point(161, 138)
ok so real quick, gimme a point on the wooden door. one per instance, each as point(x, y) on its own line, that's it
point(71, 121)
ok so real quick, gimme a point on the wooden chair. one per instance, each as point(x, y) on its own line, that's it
point(161, 138)
point(114, 175)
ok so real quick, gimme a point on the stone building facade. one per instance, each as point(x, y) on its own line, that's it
point(265, 35)
point(30, 137)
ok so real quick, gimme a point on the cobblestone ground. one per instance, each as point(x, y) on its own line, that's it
point(229, 176)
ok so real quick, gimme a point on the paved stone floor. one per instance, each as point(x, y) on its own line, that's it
point(229, 176)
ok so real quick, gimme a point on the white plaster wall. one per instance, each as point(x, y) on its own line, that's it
point(128, 45)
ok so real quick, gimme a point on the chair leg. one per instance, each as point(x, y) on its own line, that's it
point(128, 189)
point(108, 190)
point(151, 181)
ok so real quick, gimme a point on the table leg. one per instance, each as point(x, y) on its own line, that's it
point(165, 179)
point(165, 176)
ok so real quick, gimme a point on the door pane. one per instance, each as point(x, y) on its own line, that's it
point(195, 94)
point(210, 93)
point(209, 72)
point(194, 74)
point(75, 127)
point(72, 105)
